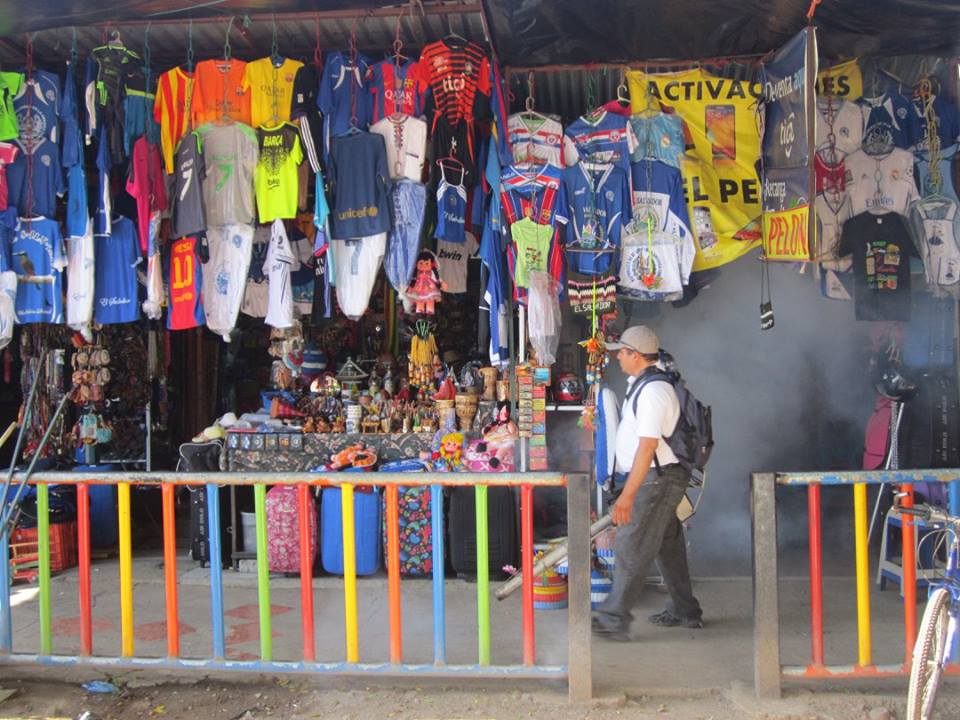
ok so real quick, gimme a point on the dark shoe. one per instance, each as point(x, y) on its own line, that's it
point(604, 631)
point(668, 619)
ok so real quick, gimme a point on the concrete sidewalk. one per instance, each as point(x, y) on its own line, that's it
point(659, 660)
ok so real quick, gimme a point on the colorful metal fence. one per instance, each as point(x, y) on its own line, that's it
point(576, 671)
point(769, 672)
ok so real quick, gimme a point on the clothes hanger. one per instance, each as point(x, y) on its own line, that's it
point(224, 68)
point(623, 93)
point(450, 161)
point(276, 59)
point(529, 110)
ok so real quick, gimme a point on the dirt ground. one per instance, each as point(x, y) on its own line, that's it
point(299, 699)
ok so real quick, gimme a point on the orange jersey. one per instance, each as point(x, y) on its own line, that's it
point(218, 91)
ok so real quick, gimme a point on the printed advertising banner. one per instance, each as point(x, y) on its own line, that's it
point(788, 111)
point(720, 166)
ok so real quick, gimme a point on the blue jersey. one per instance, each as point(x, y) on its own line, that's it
point(343, 95)
point(605, 138)
point(116, 256)
point(658, 198)
point(104, 201)
point(599, 206)
point(889, 120)
point(451, 212)
point(72, 149)
point(37, 257)
point(659, 137)
point(38, 114)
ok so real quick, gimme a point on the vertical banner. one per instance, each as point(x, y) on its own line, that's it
point(788, 96)
point(720, 165)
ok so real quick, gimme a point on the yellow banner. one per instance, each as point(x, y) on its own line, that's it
point(843, 81)
point(719, 169)
point(785, 234)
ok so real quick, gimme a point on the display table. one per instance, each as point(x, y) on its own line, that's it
point(288, 452)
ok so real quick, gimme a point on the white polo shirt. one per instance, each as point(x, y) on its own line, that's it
point(658, 411)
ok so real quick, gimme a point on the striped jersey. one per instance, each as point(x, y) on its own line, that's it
point(171, 109)
point(396, 88)
point(458, 74)
point(535, 139)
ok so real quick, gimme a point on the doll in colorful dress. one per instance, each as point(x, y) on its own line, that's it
point(425, 289)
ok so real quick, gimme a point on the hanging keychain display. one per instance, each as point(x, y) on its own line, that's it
point(766, 298)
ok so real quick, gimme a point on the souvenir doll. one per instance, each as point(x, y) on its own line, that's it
point(425, 289)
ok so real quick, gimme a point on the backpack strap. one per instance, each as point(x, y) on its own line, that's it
point(634, 395)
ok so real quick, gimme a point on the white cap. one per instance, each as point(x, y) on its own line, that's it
point(638, 338)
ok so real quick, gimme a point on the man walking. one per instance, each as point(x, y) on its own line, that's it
point(652, 483)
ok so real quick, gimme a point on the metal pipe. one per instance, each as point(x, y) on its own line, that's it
point(540, 479)
point(16, 448)
point(549, 560)
point(872, 477)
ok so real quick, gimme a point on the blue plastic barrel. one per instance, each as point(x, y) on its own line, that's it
point(103, 507)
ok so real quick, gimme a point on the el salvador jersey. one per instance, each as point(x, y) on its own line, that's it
point(186, 286)
point(889, 120)
point(116, 259)
point(658, 195)
point(37, 257)
point(38, 109)
point(609, 138)
point(599, 206)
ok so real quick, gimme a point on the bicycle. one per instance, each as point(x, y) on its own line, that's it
point(938, 629)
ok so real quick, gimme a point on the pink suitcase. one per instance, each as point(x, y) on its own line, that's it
point(283, 529)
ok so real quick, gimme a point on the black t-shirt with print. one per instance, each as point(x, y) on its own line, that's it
point(881, 249)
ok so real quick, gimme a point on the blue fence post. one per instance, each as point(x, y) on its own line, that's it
point(6, 617)
point(216, 571)
point(439, 600)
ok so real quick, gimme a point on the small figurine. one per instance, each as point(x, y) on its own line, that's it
point(425, 289)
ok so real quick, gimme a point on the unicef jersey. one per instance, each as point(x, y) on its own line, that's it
point(117, 256)
point(37, 257)
point(185, 286)
point(599, 206)
point(38, 109)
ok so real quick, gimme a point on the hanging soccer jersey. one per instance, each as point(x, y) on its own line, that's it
point(658, 197)
point(451, 212)
point(218, 92)
point(185, 307)
point(396, 88)
point(38, 109)
point(277, 267)
point(536, 192)
point(599, 206)
point(535, 138)
point(230, 155)
point(80, 281)
point(343, 95)
point(171, 109)
point(71, 145)
point(358, 175)
point(938, 180)
point(10, 85)
point(271, 89)
point(225, 275)
point(839, 125)
point(603, 138)
point(117, 256)
point(256, 295)
point(358, 262)
point(830, 176)
point(406, 143)
point(452, 262)
point(276, 177)
point(145, 183)
point(881, 184)
point(936, 224)
point(458, 74)
point(306, 115)
point(104, 196)
point(8, 153)
point(659, 137)
point(889, 121)
point(654, 266)
point(833, 210)
point(935, 108)
point(36, 255)
point(189, 216)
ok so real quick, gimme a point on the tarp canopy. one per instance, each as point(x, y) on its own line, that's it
point(540, 32)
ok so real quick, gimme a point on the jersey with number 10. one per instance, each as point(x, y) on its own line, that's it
point(186, 286)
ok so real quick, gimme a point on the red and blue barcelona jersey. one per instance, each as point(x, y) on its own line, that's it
point(186, 286)
point(396, 88)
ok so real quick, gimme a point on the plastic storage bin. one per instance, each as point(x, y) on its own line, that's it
point(366, 523)
point(103, 507)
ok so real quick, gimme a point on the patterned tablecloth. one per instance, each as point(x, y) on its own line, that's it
point(279, 452)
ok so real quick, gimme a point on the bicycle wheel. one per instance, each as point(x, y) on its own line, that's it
point(928, 653)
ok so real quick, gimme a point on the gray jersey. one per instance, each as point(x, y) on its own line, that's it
point(188, 170)
point(230, 153)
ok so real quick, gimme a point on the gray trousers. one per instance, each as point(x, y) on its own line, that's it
point(653, 533)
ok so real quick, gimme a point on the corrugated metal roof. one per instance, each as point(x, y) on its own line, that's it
point(296, 34)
